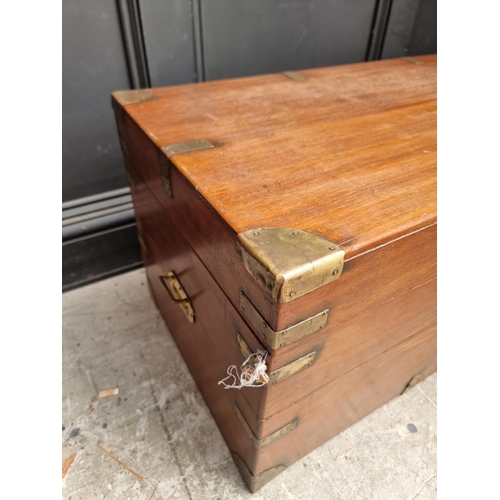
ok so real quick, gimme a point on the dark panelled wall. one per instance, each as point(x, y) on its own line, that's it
point(94, 64)
point(268, 36)
point(119, 44)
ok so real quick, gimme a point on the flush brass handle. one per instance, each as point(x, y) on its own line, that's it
point(177, 294)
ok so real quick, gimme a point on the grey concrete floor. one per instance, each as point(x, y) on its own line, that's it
point(159, 427)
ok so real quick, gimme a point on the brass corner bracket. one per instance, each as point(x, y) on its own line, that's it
point(262, 443)
point(288, 263)
point(121, 98)
point(134, 96)
point(254, 483)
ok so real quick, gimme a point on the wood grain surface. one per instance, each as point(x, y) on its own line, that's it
point(339, 348)
point(349, 153)
point(396, 267)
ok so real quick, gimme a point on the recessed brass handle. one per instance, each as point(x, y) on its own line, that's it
point(172, 281)
point(177, 294)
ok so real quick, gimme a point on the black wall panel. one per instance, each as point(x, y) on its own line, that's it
point(242, 37)
point(411, 30)
point(169, 41)
point(424, 34)
point(94, 65)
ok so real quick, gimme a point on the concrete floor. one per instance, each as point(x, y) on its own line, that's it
point(165, 439)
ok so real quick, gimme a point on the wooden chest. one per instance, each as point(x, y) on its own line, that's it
point(293, 215)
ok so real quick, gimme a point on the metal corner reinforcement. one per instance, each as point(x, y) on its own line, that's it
point(254, 483)
point(288, 263)
point(124, 97)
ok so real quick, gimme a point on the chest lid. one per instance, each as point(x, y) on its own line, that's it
point(342, 158)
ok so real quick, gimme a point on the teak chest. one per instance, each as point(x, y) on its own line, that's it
point(293, 214)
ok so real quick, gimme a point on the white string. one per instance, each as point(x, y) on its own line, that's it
point(253, 373)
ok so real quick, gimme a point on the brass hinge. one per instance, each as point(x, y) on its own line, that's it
point(273, 339)
point(255, 483)
point(288, 263)
point(261, 443)
point(178, 149)
point(281, 374)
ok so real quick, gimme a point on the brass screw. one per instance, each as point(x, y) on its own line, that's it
point(292, 294)
point(242, 308)
point(282, 345)
point(335, 272)
point(331, 248)
point(265, 324)
point(295, 232)
point(263, 336)
point(256, 233)
point(269, 287)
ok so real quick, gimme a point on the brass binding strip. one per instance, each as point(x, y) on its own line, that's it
point(284, 372)
point(255, 483)
point(274, 340)
point(261, 443)
point(178, 149)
